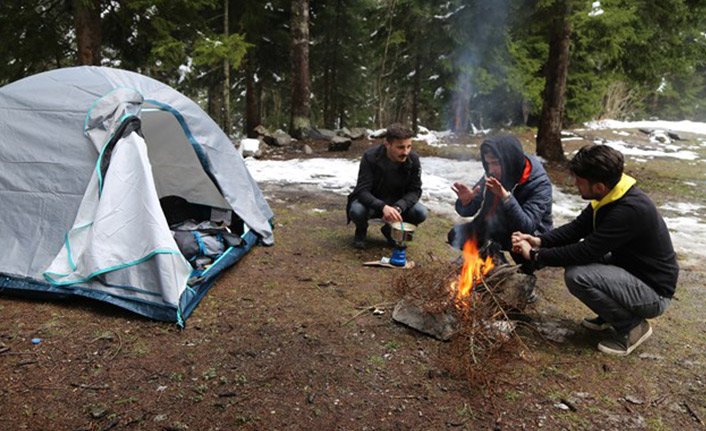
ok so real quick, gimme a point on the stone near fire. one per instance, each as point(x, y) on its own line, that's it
point(441, 326)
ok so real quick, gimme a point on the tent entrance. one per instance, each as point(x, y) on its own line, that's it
point(188, 196)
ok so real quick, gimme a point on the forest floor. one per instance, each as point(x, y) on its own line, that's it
point(287, 340)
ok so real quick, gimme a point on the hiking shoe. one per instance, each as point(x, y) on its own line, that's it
point(532, 297)
point(386, 230)
point(596, 324)
point(624, 344)
point(359, 237)
point(531, 289)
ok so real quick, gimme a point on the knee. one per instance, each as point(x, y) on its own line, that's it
point(358, 212)
point(573, 277)
point(418, 213)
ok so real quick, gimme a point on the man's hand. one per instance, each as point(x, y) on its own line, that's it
point(532, 240)
point(465, 193)
point(496, 188)
point(522, 243)
point(390, 214)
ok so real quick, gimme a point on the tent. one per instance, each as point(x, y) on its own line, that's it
point(86, 154)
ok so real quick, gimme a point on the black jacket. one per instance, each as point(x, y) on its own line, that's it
point(529, 208)
point(384, 182)
point(630, 229)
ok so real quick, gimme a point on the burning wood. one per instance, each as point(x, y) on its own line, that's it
point(466, 303)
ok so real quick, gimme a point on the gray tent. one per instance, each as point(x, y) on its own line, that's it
point(86, 153)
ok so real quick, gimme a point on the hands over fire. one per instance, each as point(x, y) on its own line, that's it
point(496, 187)
point(464, 192)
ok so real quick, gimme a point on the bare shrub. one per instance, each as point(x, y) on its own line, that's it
point(619, 101)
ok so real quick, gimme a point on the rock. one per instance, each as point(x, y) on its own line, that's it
point(357, 133)
point(645, 131)
point(441, 326)
point(261, 130)
point(323, 134)
point(633, 400)
point(675, 136)
point(650, 356)
point(279, 139)
point(251, 148)
point(98, 411)
point(307, 149)
point(344, 132)
point(339, 143)
point(659, 136)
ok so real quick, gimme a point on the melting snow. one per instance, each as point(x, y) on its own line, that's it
point(339, 176)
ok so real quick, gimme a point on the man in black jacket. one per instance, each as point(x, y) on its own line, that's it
point(515, 194)
point(389, 186)
point(617, 253)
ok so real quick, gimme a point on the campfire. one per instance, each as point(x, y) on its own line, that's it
point(474, 268)
point(468, 303)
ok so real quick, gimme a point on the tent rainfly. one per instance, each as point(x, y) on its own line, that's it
point(87, 157)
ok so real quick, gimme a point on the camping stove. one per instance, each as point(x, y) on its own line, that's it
point(401, 233)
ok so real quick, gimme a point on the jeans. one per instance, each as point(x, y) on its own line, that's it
point(360, 214)
point(614, 294)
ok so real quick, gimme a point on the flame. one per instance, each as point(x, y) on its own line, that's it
point(473, 269)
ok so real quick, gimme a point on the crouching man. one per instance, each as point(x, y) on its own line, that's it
point(618, 255)
point(389, 186)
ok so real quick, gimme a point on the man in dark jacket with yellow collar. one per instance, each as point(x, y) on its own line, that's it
point(389, 186)
point(617, 253)
point(515, 194)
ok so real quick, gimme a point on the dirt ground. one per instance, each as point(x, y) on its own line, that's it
point(286, 340)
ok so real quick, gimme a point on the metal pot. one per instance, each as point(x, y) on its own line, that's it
point(402, 232)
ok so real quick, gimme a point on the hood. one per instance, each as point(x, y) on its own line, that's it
point(512, 158)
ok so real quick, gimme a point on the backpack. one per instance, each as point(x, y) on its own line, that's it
point(202, 243)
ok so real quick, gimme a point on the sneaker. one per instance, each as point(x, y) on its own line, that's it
point(624, 344)
point(358, 243)
point(386, 230)
point(531, 289)
point(596, 324)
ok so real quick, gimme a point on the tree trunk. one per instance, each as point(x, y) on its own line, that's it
point(215, 101)
point(380, 114)
point(87, 20)
point(554, 95)
point(462, 104)
point(415, 91)
point(252, 111)
point(301, 92)
point(227, 126)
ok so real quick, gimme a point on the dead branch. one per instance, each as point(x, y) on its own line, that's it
point(91, 387)
point(693, 414)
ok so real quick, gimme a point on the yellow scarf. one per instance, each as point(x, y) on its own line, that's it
point(626, 181)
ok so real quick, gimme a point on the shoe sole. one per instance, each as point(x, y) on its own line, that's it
point(592, 326)
point(610, 351)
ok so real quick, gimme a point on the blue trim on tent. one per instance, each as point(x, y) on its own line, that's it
point(68, 244)
point(30, 288)
point(182, 122)
point(190, 297)
point(47, 274)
